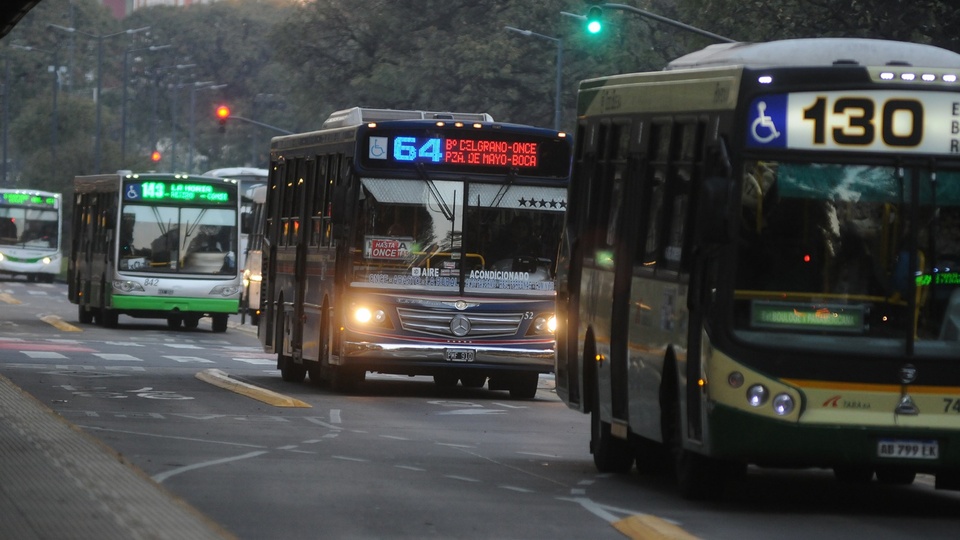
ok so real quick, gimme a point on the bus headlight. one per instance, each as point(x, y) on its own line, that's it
point(783, 404)
point(47, 260)
point(544, 324)
point(225, 290)
point(757, 395)
point(1, 256)
point(127, 286)
point(365, 315)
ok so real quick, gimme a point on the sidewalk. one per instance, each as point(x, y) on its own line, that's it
point(58, 482)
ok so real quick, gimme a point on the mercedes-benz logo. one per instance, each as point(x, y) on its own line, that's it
point(460, 326)
point(908, 374)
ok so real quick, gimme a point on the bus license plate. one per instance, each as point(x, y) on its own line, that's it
point(460, 355)
point(894, 448)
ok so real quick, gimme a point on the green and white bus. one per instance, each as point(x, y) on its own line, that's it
point(30, 223)
point(155, 246)
point(761, 263)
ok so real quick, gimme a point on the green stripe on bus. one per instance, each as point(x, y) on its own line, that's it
point(164, 303)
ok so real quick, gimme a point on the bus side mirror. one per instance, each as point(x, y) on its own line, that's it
point(714, 210)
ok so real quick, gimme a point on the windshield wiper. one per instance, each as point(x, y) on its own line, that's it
point(444, 207)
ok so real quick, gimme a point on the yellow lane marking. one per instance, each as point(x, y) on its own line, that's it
point(59, 323)
point(8, 299)
point(646, 527)
point(219, 378)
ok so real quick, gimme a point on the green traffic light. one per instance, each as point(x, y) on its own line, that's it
point(594, 20)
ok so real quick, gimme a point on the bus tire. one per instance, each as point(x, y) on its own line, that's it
point(524, 385)
point(220, 322)
point(895, 477)
point(109, 318)
point(345, 379)
point(84, 315)
point(174, 321)
point(610, 454)
point(191, 321)
point(473, 381)
point(289, 370)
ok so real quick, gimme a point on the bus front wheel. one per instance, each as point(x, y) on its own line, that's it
point(610, 454)
point(220, 322)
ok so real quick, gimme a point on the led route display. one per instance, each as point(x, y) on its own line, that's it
point(27, 199)
point(455, 151)
point(177, 191)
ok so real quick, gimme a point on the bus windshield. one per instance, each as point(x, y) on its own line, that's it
point(448, 235)
point(29, 227)
point(828, 249)
point(179, 240)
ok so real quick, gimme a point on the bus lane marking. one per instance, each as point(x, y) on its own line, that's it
point(60, 324)
point(159, 478)
point(220, 379)
point(6, 297)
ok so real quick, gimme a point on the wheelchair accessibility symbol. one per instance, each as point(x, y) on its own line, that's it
point(768, 121)
point(764, 130)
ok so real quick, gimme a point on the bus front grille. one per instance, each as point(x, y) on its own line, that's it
point(441, 323)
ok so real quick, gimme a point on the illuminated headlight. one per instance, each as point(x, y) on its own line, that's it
point(757, 395)
point(364, 315)
point(127, 286)
point(225, 290)
point(47, 260)
point(783, 404)
point(1, 256)
point(545, 324)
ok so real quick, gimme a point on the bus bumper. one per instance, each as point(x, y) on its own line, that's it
point(401, 358)
point(134, 304)
point(740, 436)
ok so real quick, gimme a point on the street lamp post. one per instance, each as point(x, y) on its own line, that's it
point(193, 108)
point(659, 18)
point(99, 38)
point(123, 105)
point(559, 82)
point(54, 119)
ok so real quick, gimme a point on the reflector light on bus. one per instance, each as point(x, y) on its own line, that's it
point(757, 395)
point(783, 404)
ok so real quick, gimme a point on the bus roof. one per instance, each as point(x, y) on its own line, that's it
point(234, 172)
point(818, 52)
point(358, 115)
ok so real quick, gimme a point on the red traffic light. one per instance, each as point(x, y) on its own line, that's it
point(223, 112)
point(155, 156)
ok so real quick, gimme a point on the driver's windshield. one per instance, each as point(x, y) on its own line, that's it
point(183, 240)
point(28, 227)
point(435, 234)
point(857, 250)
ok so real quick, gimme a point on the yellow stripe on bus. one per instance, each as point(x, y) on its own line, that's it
point(866, 387)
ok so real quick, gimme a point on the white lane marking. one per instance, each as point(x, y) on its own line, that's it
point(123, 343)
point(461, 478)
point(517, 489)
point(43, 354)
point(394, 437)
point(182, 346)
point(256, 361)
point(335, 416)
point(159, 478)
point(191, 359)
point(118, 356)
point(347, 458)
point(409, 468)
point(538, 454)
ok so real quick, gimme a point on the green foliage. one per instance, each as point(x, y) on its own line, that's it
point(290, 63)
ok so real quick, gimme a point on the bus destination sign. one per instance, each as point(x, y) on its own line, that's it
point(482, 152)
point(177, 191)
point(29, 199)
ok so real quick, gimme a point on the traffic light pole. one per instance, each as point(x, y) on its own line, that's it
point(671, 22)
point(261, 124)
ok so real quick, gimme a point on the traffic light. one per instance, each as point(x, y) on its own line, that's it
point(223, 113)
point(594, 20)
point(155, 156)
